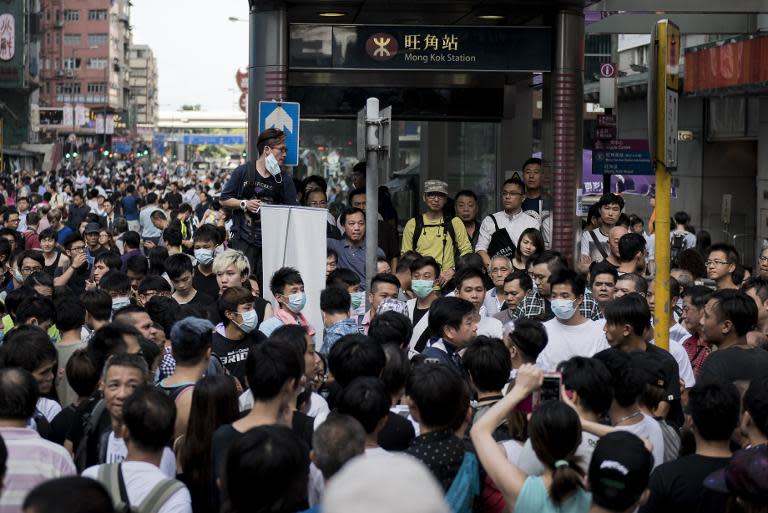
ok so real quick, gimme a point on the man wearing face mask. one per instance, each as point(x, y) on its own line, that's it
point(424, 272)
point(569, 334)
point(205, 239)
point(240, 333)
point(252, 185)
point(288, 288)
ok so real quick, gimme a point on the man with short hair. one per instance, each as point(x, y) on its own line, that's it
point(423, 275)
point(335, 303)
point(131, 247)
point(754, 418)
point(453, 323)
point(537, 304)
point(757, 288)
point(335, 442)
point(253, 184)
point(389, 240)
point(205, 240)
point(569, 334)
point(91, 234)
point(149, 232)
point(525, 340)
point(471, 286)
point(627, 321)
point(31, 460)
point(366, 400)
point(614, 236)
point(433, 394)
point(500, 232)
point(432, 234)
point(594, 243)
point(98, 309)
point(240, 333)
point(632, 253)
point(103, 263)
point(721, 263)
point(681, 238)
point(728, 317)
point(628, 283)
point(118, 286)
point(498, 270)
point(678, 485)
point(602, 277)
point(516, 286)
point(148, 416)
point(287, 287)
point(383, 286)
point(77, 211)
point(137, 317)
point(181, 271)
point(467, 209)
point(696, 346)
point(351, 249)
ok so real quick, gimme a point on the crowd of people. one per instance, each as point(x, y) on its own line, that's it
point(478, 370)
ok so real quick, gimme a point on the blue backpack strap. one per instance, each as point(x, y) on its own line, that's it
point(465, 486)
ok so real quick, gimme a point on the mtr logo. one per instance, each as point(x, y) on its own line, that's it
point(381, 46)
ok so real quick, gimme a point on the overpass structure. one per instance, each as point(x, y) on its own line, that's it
point(170, 121)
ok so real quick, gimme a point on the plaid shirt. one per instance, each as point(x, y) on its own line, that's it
point(533, 306)
point(167, 365)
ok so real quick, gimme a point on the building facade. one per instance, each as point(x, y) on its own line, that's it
point(143, 87)
point(85, 76)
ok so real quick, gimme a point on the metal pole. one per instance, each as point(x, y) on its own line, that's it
point(372, 142)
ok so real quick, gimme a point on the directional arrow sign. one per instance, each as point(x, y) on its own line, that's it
point(283, 116)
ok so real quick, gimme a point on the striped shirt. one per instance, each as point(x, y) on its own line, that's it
point(31, 460)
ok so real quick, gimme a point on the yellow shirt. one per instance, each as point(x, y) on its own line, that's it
point(435, 242)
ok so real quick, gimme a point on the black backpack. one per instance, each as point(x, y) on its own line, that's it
point(447, 229)
point(501, 243)
point(677, 246)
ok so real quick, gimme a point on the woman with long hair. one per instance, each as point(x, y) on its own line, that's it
point(555, 432)
point(529, 244)
point(214, 404)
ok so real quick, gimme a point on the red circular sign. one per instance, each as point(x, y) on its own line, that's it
point(381, 46)
point(608, 70)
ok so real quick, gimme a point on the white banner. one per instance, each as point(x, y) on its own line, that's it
point(296, 237)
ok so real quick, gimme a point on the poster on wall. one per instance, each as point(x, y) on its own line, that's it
point(7, 37)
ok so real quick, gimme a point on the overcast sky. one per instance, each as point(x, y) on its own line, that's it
point(198, 50)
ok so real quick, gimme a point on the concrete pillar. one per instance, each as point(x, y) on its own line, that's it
point(761, 221)
point(267, 63)
point(564, 127)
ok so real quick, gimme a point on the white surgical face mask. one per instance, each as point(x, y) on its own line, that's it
point(120, 302)
point(563, 309)
point(272, 166)
point(250, 321)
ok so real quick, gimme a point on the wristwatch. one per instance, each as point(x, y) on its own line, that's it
point(243, 205)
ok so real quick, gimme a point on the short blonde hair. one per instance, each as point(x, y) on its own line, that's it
point(54, 215)
point(231, 257)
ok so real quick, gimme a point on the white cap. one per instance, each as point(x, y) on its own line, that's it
point(383, 484)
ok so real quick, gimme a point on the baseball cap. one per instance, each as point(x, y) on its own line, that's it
point(92, 228)
point(648, 367)
point(745, 476)
point(619, 470)
point(435, 186)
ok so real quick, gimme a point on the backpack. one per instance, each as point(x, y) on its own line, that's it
point(677, 246)
point(90, 424)
point(501, 243)
point(465, 486)
point(447, 229)
point(111, 476)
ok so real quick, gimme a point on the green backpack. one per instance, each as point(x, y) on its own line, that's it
point(111, 476)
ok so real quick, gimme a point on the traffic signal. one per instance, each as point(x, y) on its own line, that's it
point(74, 155)
point(105, 153)
point(67, 156)
point(146, 152)
point(245, 154)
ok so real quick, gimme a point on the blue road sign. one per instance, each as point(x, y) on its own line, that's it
point(283, 116)
point(225, 140)
point(622, 157)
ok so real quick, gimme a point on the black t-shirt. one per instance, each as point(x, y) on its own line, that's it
point(202, 299)
point(397, 434)
point(232, 353)
point(63, 423)
point(205, 284)
point(678, 486)
point(734, 364)
point(668, 363)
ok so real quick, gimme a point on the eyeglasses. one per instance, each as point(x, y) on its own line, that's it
point(318, 204)
point(710, 263)
point(77, 248)
point(764, 259)
point(30, 270)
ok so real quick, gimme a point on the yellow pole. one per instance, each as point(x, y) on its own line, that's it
point(667, 44)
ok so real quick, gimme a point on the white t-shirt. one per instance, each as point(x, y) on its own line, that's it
point(513, 448)
point(530, 464)
point(565, 342)
point(493, 302)
point(140, 477)
point(117, 451)
point(48, 407)
point(649, 429)
point(588, 246)
point(678, 333)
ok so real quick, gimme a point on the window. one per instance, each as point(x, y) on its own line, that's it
point(97, 14)
point(97, 39)
point(97, 63)
point(71, 39)
point(68, 88)
point(70, 63)
point(97, 87)
point(70, 15)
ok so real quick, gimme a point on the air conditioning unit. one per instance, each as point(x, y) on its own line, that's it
point(70, 73)
point(59, 72)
